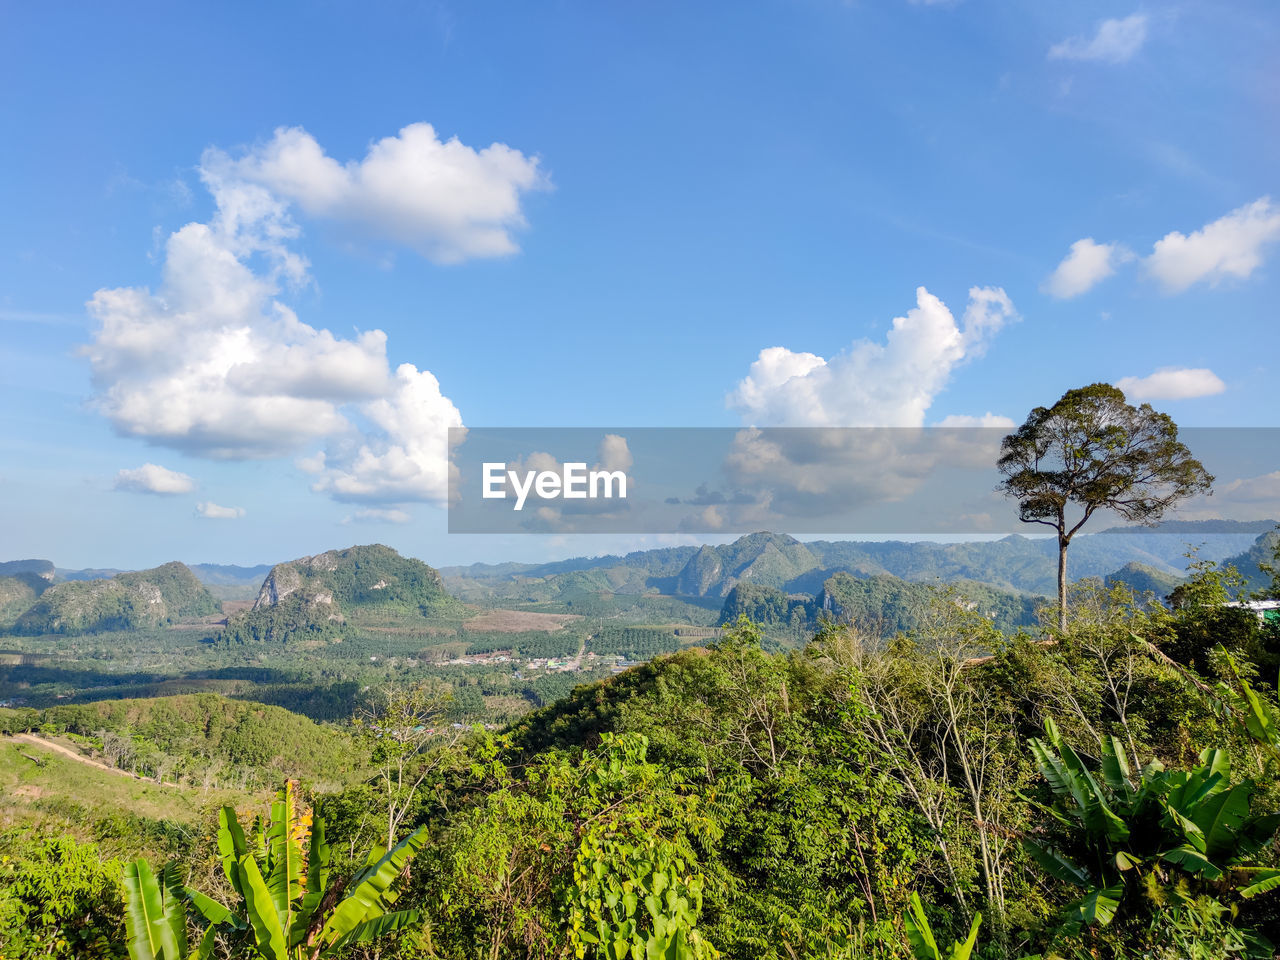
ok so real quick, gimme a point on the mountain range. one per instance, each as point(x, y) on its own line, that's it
point(773, 577)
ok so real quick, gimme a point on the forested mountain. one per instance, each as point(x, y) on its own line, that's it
point(1014, 563)
point(17, 594)
point(1142, 579)
point(880, 605)
point(142, 598)
point(314, 595)
point(1263, 551)
point(41, 568)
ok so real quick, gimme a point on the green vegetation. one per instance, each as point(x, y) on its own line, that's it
point(877, 768)
point(1142, 578)
point(879, 604)
point(128, 601)
point(1093, 451)
point(322, 597)
point(202, 739)
point(1098, 796)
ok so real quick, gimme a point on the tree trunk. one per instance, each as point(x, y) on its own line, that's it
point(1062, 583)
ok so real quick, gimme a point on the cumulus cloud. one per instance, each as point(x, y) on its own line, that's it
point(152, 478)
point(1264, 488)
point(213, 363)
point(448, 201)
point(873, 384)
point(404, 452)
point(1087, 264)
point(782, 475)
point(212, 511)
point(1172, 383)
point(1230, 246)
point(1115, 41)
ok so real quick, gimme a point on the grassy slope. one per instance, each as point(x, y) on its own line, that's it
point(66, 797)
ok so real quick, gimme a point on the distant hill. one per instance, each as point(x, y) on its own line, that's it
point(41, 568)
point(1253, 527)
point(1015, 564)
point(1141, 579)
point(767, 559)
point(314, 596)
point(881, 604)
point(142, 598)
point(213, 728)
point(229, 574)
point(18, 593)
point(88, 573)
point(1263, 550)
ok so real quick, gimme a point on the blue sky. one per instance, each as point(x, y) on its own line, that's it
point(246, 192)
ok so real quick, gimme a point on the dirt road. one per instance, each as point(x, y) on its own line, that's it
point(80, 758)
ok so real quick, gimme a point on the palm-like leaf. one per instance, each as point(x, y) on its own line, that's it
point(1098, 906)
point(1221, 817)
point(1265, 880)
point(1058, 866)
point(318, 855)
point(232, 846)
point(1115, 768)
point(375, 929)
point(285, 857)
point(367, 899)
point(919, 933)
point(261, 911)
point(962, 951)
point(156, 929)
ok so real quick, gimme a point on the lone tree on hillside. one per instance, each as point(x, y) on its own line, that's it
point(1093, 449)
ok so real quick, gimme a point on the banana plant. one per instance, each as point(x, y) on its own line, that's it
point(1162, 826)
point(923, 943)
point(155, 916)
point(289, 909)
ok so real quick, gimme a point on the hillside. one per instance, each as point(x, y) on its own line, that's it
point(1265, 550)
point(317, 595)
point(1141, 579)
point(128, 601)
point(1015, 563)
point(18, 593)
point(881, 604)
point(197, 737)
point(41, 568)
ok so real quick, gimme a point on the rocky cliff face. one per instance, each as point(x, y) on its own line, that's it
point(767, 559)
point(311, 595)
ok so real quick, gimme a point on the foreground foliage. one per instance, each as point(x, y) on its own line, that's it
point(1109, 791)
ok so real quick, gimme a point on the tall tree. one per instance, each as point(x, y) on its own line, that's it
point(1093, 450)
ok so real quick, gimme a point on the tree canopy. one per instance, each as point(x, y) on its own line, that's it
point(1094, 450)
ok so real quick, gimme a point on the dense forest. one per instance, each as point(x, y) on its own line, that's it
point(1105, 791)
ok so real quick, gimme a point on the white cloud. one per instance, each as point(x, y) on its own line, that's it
point(1115, 41)
point(151, 478)
point(448, 201)
point(1087, 264)
point(1230, 246)
point(1253, 489)
point(379, 515)
point(1172, 383)
point(988, 419)
point(873, 384)
point(212, 511)
point(404, 455)
point(214, 364)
